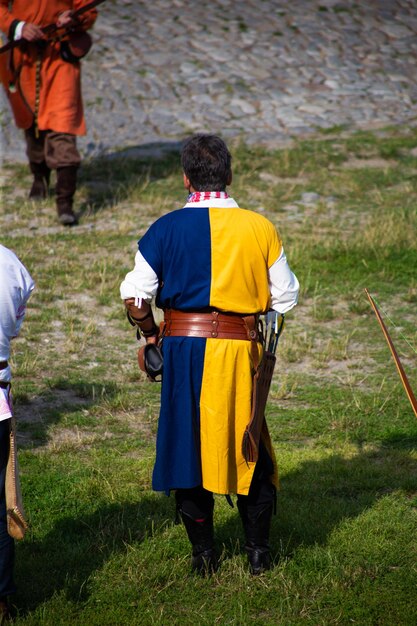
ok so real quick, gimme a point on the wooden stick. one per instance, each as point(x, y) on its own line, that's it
point(398, 363)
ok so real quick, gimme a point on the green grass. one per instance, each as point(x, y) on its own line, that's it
point(103, 549)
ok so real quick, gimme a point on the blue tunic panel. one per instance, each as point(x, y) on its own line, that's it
point(178, 459)
point(184, 263)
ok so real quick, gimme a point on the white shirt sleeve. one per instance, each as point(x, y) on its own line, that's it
point(141, 283)
point(283, 284)
point(18, 31)
point(16, 285)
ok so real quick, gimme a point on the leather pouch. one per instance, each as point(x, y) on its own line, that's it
point(151, 361)
point(76, 47)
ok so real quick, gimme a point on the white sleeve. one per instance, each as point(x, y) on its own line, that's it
point(16, 285)
point(141, 283)
point(283, 284)
point(18, 31)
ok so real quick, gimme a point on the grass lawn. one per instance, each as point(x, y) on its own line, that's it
point(103, 549)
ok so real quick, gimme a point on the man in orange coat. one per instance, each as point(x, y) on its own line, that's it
point(43, 82)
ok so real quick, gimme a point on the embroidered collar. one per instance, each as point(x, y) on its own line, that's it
point(212, 199)
point(202, 196)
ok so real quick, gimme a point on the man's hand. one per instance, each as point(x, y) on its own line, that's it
point(32, 32)
point(142, 316)
point(65, 19)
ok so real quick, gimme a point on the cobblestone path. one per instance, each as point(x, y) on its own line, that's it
point(261, 70)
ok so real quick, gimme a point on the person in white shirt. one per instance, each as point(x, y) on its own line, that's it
point(16, 285)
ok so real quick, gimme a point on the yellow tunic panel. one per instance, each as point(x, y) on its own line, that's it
point(239, 280)
point(225, 406)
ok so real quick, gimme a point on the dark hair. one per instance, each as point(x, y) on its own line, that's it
point(206, 162)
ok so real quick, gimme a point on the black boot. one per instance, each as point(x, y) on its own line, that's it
point(66, 184)
point(195, 506)
point(256, 524)
point(41, 175)
point(201, 535)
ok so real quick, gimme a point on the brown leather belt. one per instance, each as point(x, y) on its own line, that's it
point(213, 325)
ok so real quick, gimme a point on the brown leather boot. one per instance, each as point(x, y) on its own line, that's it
point(41, 175)
point(66, 184)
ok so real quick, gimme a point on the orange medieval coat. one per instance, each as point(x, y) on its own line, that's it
point(60, 105)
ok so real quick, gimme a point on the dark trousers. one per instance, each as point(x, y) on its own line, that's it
point(6, 542)
point(198, 503)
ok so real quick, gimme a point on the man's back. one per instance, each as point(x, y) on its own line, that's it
point(212, 257)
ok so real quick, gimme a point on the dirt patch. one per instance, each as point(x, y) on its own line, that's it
point(33, 410)
point(271, 179)
point(374, 163)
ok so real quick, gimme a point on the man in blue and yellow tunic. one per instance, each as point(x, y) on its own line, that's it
point(213, 267)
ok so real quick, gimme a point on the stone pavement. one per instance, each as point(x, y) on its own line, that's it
point(260, 70)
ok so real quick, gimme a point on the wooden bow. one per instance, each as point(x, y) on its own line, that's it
point(400, 368)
